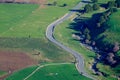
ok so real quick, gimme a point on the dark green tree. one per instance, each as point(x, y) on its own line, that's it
point(88, 36)
point(111, 4)
point(64, 4)
point(88, 8)
point(102, 19)
point(96, 6)
point(112, 10)
point(54, 3)
point(86, 31)
point(117, 3)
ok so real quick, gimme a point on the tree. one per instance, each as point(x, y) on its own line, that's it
point(117, 3)
point(112, 10)
point(87, 33)
point(102, 19)
point(88, 36)
point(116, 47)
point(94, 1)
point(96, 7)
point(110, 58)
point(88, 8)
point(54, 3)
point(110, 4)
point(64, 4)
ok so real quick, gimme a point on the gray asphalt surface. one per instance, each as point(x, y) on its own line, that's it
point(49, 34)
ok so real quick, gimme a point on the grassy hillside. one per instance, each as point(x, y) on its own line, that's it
point(51, 72)
point(23, 26)
point(113, 32)
point(22, 73)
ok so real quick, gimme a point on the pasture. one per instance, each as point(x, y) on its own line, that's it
point(51, 72)
point(23, 26)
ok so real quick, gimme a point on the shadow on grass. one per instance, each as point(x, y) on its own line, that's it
point(86, 1)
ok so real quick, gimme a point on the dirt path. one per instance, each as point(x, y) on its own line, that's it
point(42, 67)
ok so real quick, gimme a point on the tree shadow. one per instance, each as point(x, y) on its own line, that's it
point(86, 1)
point(77, 10)
point(81, 23)
point(104, 5)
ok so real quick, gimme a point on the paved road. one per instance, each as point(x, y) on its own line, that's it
point(49, 34)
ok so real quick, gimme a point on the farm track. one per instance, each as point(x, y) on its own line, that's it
point(42, 67)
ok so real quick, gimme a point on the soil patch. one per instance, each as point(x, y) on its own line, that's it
point(11, 61)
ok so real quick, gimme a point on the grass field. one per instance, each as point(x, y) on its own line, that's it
point(2, 73)
point(23, 26)
point(51, 72)
point(20, 75)
point(24, 20)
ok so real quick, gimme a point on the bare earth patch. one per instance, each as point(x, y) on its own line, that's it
point(11, 61)
point(24, 1)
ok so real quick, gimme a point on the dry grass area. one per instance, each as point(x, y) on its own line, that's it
point(11, 61)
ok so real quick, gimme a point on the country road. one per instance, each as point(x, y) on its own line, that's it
point(49, 34)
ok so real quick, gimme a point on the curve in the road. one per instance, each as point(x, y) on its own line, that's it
point(49, 34)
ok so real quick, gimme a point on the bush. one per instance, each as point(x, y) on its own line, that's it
point(96, 7)
point(64, 4)
point(111, 4)
point(88, 8)
point(112, 10)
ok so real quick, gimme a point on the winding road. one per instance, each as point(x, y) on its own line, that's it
point(49, 34)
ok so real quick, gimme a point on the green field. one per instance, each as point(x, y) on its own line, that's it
point(2, 73)
point(20, 75)
point(51, 72)
point(23, 26)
